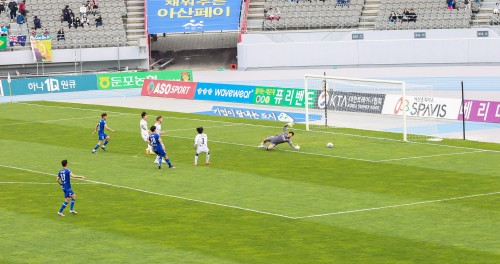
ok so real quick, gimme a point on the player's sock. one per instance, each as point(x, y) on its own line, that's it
point(63, 206)
point(159, 163)
point(72, 205)
point(196, 159)
point(105, 143)
point(95, 148)
point(207, 160)
point(168, 162)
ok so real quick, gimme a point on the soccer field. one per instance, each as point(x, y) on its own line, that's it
point(370, 199)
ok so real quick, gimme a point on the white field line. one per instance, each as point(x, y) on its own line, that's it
point(267, 126)
point(44, 183)
point(398, 205)
point(49, 121)
point(432, 156)
point(160, 194)
point(284, 150)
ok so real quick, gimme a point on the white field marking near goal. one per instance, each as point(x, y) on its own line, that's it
point(267, 126)
point(160, 194)
point(44, 183)
point(432, 156)
point(268, 213)
point(399, 205)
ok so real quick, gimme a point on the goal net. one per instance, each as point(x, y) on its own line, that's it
point(368, 104)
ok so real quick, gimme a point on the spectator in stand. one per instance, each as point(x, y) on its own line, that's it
point(98, 21)
point(37, 23)
point(13, 9)
point(20, 21)
point(71, 20)
point(22, 8)
point(496, 9)
point(404, 18)
point(85, 20)
point(60, 34)
point(46, 33)
point(450, 5)
point(4, 31)
point(77, 23)
point(65, 14)
point(467, 4)
point(83, 10)
point(33, 32)
point(392, 17)
point(2, 7)
point(273, 14)
point(412, 16)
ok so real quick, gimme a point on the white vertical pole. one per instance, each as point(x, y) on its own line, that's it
point(306, 102)
point(405, 131)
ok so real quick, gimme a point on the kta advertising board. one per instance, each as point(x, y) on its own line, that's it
point(53, 84)
point(481, 111)
point(181, 16)
point(350, 101)
point(422, 106)
point(128, 80)
point(225, 93)
point(168, 89)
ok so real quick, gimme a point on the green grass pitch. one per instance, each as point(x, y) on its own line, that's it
point(370, 199)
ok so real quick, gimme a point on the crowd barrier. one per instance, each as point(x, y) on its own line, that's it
point(386, 104)
point(76, 83)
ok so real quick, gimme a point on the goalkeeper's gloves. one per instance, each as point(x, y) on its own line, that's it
point(297, 147)
point(290, 124)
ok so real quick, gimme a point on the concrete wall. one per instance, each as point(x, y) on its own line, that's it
point(323, 48)
point(133, 57)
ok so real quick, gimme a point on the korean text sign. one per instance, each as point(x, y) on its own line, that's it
point(52, 84)
point(128, 80)
point(290, 97)
point(481, 111)
point(178, 16)
point(224, 92)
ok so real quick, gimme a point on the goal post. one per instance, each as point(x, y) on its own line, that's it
point(359, 103)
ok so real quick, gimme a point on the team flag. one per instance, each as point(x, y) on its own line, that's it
point(3, 43)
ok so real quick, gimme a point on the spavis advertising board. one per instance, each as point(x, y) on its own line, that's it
point(350, 101)
point(225, 92)
point(128, 80)
point(52, 84)
point(481, 111)
point(421, 106)
point(168, 89)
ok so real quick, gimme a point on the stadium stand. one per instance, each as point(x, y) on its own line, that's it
point(327, 14)
point(430, 14)
point(122, 23)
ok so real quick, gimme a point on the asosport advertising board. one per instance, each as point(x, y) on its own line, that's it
point(169, 89)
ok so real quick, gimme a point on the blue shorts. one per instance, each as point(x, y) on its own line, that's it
point(102, 136)
point(68, 193)
point(161, 152)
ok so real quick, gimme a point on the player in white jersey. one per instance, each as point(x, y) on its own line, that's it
point(145, 132)
point(201, 145)
point(158, 123)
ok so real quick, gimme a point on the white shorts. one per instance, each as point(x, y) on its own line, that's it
point(200, 150)
point(145, 137)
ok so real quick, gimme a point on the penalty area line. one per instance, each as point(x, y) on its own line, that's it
point(161, 194)
point(398, 205)
point(433, 156)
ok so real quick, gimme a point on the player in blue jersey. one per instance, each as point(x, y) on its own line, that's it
point(99, 129)
point(155, 141)
point(63, 178)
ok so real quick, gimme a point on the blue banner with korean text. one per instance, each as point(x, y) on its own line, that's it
point(259, 114)
point(182, 16)
point(224, 92)
point(53, 84)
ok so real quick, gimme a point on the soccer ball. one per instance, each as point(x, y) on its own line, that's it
point(329, 145)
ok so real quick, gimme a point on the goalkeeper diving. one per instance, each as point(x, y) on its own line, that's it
point(286, 136)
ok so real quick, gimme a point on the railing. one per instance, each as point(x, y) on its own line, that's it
point(243, 27)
